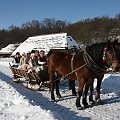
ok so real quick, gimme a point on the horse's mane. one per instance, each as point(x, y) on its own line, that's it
point(50, 52)
point(54, 51)
point(95, 51)
point(96, 48)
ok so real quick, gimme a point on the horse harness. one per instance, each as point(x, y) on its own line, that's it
point(89, 62)
point(93, 65)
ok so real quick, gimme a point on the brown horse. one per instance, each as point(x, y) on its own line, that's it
point(83, 66)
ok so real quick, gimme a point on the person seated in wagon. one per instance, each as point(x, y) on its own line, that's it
point(28, 62)
point(42, 59)
point(35, 62)
point(16, 61)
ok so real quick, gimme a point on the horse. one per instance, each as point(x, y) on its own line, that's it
point(99, 80)
point(83, 66)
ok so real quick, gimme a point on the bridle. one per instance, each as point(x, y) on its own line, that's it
point(108, 56)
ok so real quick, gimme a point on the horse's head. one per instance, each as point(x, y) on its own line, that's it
point(112, 55)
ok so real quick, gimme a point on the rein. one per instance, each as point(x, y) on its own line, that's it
point(70, 72)
point(72, 68)
point(75, 70)
point(91, 64)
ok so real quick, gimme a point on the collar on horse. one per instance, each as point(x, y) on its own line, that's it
point(72, 65)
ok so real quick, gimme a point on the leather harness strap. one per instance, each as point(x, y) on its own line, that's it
point(72, 60)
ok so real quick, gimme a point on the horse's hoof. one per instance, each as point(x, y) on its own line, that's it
point(91, 102)
point(99, 101)
point(80, 108)
point(74, 94)
point(86, 106)
point(59, 96)
point(53, 101)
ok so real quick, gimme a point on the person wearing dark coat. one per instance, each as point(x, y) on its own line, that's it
point(17, 57)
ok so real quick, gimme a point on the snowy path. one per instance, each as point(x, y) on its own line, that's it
point(65, 108)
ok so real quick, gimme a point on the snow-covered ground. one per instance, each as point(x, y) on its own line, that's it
point(19, 103)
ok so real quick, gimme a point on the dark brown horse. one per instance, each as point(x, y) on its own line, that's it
point(83, 66)
point(100, 78)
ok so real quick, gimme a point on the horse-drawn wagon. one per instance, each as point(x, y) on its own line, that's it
point(32, 78)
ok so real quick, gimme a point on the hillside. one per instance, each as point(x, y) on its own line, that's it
point(84, 31)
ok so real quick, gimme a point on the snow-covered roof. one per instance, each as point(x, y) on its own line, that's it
point(50, 41)
point(9, 49)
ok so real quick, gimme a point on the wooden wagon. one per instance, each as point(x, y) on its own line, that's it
point(32, 78)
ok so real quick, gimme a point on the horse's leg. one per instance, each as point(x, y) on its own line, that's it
point(91, 101)
point(97, 96)
point(72, 86)
point(57, 89)
point(57, 81)
point(85, 92)
point(84, 98)
point(80, 90)
point(52, 82)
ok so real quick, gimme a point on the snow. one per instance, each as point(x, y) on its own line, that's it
point(19, 103)
point(46, 42)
